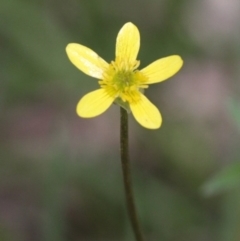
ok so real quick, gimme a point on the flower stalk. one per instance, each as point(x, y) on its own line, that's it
point(131, 208)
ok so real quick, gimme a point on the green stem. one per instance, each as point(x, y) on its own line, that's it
point(127, 176)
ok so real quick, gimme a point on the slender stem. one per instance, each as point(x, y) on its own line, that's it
point(127, 176)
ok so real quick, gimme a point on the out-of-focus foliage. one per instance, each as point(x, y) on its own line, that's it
point(229, 178)
point(60, 175)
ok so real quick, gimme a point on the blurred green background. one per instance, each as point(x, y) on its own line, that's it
point(60, 175)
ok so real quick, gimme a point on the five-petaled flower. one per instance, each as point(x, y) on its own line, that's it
point(121, 81)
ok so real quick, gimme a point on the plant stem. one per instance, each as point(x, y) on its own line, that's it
point(127, 176)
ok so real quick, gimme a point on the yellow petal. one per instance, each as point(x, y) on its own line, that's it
point(86, 60)
point(162, 69)
point(146, 113)
point(128, 43)
point(94, 103)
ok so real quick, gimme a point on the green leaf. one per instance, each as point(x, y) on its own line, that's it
point(227, 179)
point(234, 109)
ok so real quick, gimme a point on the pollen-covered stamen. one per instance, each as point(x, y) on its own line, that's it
point(124, 65)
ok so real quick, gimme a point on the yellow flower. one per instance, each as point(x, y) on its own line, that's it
point(121, 81)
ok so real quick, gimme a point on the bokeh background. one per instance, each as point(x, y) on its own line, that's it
point(60, 175)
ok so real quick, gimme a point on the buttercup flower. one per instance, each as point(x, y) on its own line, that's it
point(120, 81)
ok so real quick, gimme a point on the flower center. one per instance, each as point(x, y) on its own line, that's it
point(124, 81)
